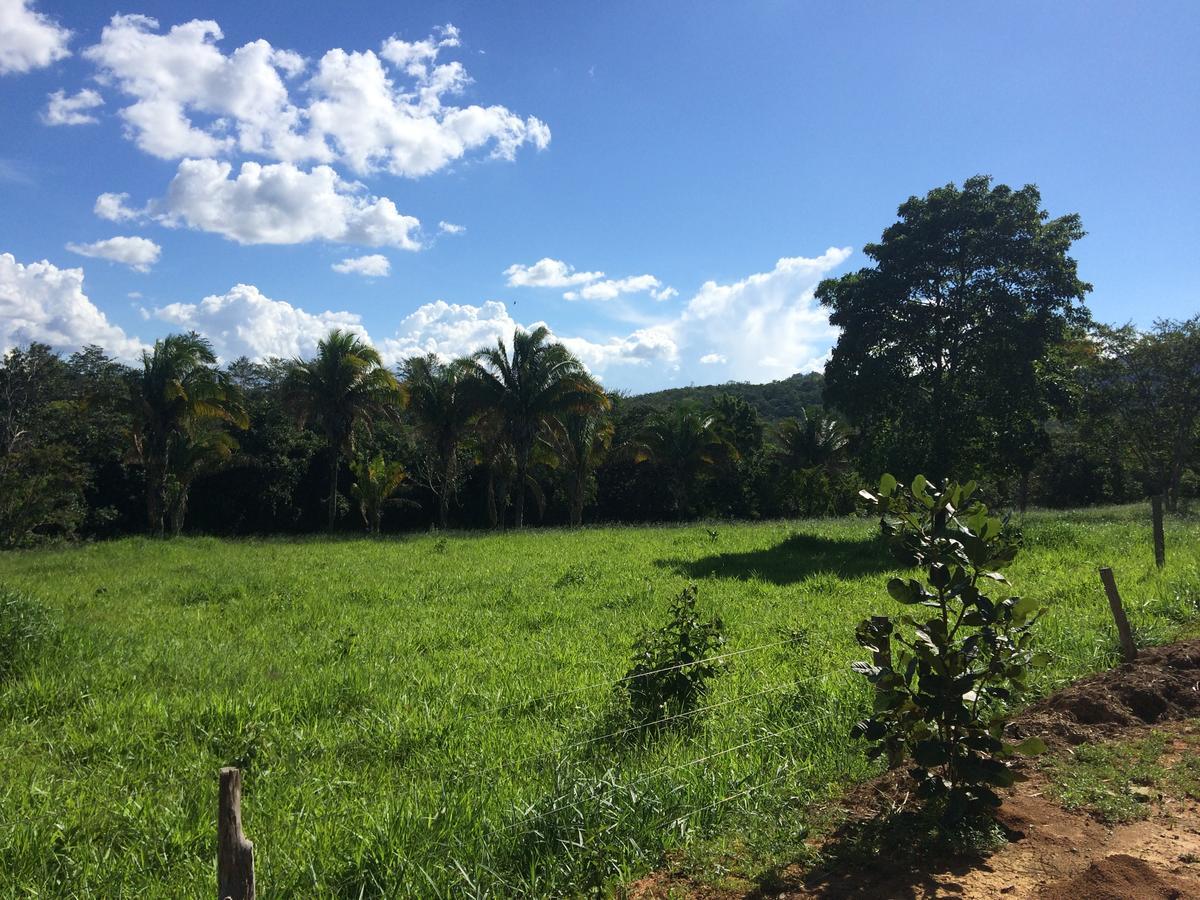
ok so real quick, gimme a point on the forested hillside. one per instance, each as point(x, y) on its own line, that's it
point(774, 401)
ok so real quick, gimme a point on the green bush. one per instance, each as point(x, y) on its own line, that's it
point(672, 672)
point(944, 699)
point(25, 627)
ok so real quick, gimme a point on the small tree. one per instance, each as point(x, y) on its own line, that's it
point(943, 701)
point(376, 480)
point(672, 667)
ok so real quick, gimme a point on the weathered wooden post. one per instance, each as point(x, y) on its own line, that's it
point(1128, 648)
point(235, 854)
point(881, 628)
point(1160, 540)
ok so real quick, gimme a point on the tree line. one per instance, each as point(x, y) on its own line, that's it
point(965, 351)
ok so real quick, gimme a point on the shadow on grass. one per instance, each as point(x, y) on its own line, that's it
point(792, 559)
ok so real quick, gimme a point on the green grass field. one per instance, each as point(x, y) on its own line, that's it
point(387, 700)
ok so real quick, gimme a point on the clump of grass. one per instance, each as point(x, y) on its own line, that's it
point(1117, 780)
point(25, 629)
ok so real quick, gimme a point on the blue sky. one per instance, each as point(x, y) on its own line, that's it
point(712, 161)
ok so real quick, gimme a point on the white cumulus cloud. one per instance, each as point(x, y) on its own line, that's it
point(614, 287)
point(768, 325)
point(29, 39)
point(244, 322)
point(449, 330)
point(547, 272)
point(712, 359)
point(114, 208)
point(280, 204)
point(41, 302)
point(450, 228)
point(72, 110)
point(375, 265)
point(372, 111)
point(138, 253)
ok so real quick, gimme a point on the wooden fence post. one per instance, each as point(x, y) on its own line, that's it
point(1128, 648)
point(235, 854)
point(881, 626)
point(1160, 541)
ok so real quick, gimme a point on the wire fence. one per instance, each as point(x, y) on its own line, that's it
point(569, 749)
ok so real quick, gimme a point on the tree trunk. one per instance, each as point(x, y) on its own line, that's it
point(444, 494)
point(1160, 541)
point(334, 459)
point(1023, 491)
point(493, 519)
point(576, 503)
point(156, 499)
point(522, 473)
point(179, 511)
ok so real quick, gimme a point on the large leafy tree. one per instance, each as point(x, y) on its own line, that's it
point(178, 391)
point(441, 403)
point(951, 330)
point(686, 444)
point(345, 385)
point(527, 388)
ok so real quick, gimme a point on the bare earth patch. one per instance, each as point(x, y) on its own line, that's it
point(1052, 852)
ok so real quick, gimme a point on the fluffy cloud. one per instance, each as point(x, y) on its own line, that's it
point(29, 39)
point(644, 346)
point(612, 288)
point(385, 111)
point(138, 253)
point(374, 266)
point(113, 208)
point(766, 326)
point(73, 110)
point(277, 204)
point(41, 302)
point(550, 273)
point(244, 322)
point(554, 273)
point(450, 228)
point(449, 330)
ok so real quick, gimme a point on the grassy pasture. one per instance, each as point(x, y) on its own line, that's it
point(388, 699)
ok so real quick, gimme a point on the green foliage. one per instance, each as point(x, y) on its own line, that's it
point(41, 495)
point(25, 628)
point(944, 698)
point(376, 481)
point(671, 672)
point(970, 295)
point(774, 401)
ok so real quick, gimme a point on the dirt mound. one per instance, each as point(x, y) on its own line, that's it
point(1163, 684)
point(1117, 877)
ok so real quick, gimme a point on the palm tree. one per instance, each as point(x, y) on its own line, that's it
point(441, 403)
point(344, 385)
point(579, 441)
point(178, 389)
point(375, 481)
point(686, 444)
point(814, 439)
point(539, 381)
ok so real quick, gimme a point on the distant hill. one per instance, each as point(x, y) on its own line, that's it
point(774, 401)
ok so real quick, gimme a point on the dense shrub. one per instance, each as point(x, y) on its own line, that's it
point(672, 670)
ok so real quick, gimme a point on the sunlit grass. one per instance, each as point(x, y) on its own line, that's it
point(382, 697)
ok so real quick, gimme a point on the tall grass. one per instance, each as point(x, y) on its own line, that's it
point(400, 706)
